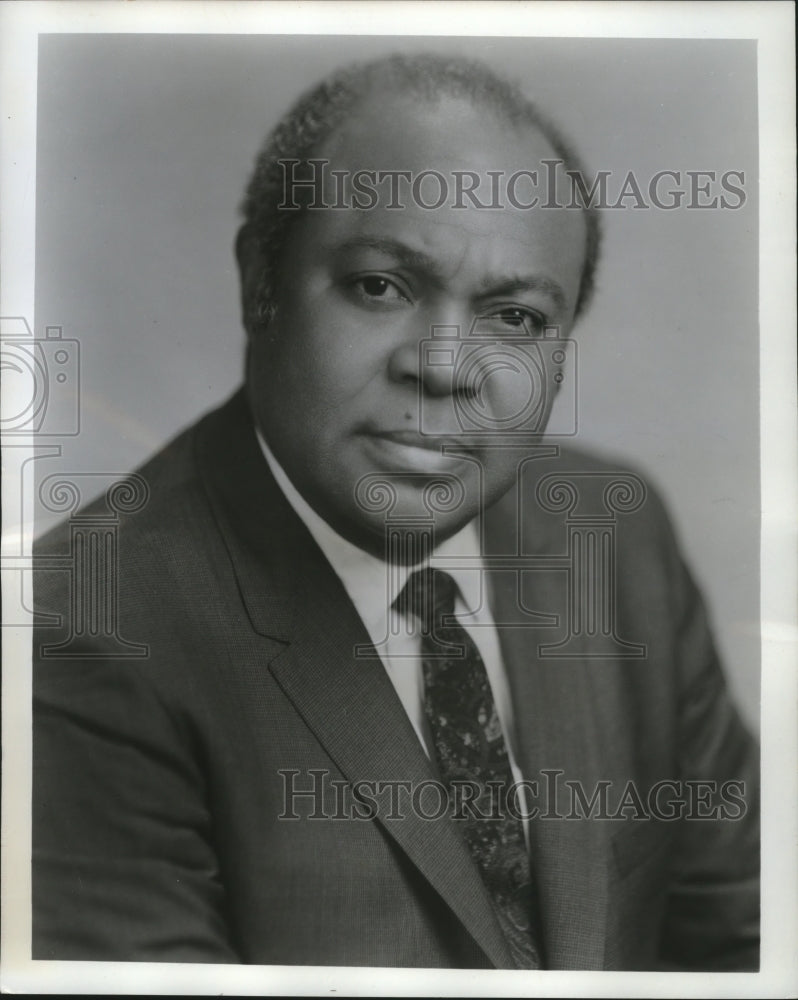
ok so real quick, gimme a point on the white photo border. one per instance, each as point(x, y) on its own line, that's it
point(771, 24)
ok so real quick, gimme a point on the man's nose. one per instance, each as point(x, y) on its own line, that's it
point(427, 358)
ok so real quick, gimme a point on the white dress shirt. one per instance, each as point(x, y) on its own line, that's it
point(373, 590)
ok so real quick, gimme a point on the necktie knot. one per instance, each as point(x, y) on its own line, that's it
point(429, 594)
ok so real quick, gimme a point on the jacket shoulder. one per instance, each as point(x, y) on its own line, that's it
point(579, 486)
point(157, 497)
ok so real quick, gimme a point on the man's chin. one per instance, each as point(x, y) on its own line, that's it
point(409, 538)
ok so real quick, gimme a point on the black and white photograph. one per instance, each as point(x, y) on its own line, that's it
point(398, 437)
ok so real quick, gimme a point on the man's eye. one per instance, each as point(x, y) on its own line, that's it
point(374, 286)
point(517, 319)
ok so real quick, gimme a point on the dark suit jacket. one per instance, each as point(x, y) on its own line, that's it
point(157, 784)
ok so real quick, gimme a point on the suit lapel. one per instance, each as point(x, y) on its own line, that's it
point(293, 596)
point(556, 731)
point(356, 715)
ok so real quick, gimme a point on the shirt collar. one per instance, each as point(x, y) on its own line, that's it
point(371, 583)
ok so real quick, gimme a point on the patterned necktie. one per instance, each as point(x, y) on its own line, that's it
point(469, 748)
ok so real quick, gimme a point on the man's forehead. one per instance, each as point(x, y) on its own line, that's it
point(421, 155)
point(468, 253)
point(505, 235)
point(399, 131)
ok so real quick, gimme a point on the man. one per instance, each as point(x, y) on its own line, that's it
point(367, 582)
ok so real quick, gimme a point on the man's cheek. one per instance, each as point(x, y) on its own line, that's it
point(514, 397)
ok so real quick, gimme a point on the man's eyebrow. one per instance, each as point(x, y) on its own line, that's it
point(393, 248)
point(423, 261)
point(526, 283)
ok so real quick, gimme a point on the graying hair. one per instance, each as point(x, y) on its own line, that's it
point(302, 131)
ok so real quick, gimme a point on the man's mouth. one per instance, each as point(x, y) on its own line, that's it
point(405, 450)
point(432, 442)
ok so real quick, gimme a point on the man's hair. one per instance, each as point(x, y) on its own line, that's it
point(302, 131)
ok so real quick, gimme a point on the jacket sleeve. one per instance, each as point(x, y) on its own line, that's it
point(712, 917)
point(124, 866)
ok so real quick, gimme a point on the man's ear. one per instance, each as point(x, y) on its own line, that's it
point(249, 265)
point(244, 247)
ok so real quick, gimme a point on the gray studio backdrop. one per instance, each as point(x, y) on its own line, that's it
point(145, 143)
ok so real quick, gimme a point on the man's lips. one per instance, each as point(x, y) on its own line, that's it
point(411, 451)
point(431, 442)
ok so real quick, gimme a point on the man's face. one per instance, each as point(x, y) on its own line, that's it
point(339, 381)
